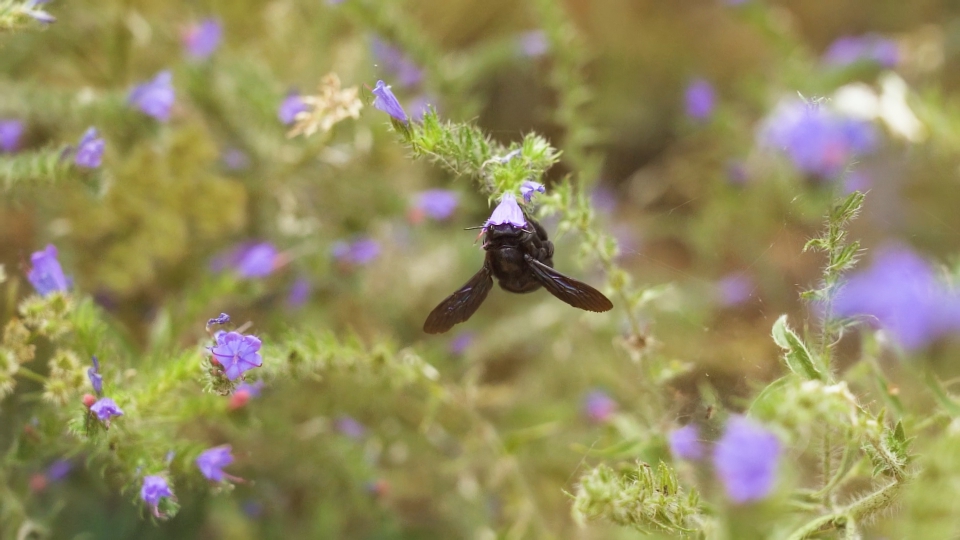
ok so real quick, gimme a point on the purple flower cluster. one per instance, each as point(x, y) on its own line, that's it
point(10, 133)
point(699, 100)
point(249, 260)
point(359, 252)
point(867, 48)
point(816, 139)
point(746, 459)
point(46, 274)
point(201, 40)
point(396, 64)
point(89, 150)
point(155, 97)
point(529, 188)
point(900, 293)
point(237, 353)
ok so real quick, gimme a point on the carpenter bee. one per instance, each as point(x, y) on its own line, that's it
point(522, 261)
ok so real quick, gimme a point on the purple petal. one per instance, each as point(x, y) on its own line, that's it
point(201, 40)
point(387, 102)
point(507, 212)
point(10, 133)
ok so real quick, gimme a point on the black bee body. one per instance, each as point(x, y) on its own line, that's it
point(522, 261)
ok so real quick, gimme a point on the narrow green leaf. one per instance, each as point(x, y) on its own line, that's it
point(797, 356)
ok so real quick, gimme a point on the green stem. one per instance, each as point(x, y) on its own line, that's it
point(31, 375)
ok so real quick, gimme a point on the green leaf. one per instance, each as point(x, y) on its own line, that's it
point(797, 356)
point(946, 401)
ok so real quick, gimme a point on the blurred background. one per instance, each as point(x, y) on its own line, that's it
point(710, 201)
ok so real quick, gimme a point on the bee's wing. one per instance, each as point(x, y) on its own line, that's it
point(460, 305)
point(576, 293)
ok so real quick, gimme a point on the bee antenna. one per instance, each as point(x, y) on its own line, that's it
point(473, 228)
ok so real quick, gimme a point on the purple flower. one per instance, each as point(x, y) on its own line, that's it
point(10, 133)
point(201, 40)
point(359, 252)
point(237, 353)
point(737, 173)
point(604, 199)
point(106, 408)
point(817, 140)
point(235, 159)
point(222, 319)
point(746, 460)
point(528, 188)
point(46, 274)
point(598, 406)
point(387, 102)
point(256, 260)
point(857, 181)
point(211, 462)
point(901, 293)
point(154, 488)
point(700, 100)
point(507, 212)
point(96, 379)
point(533, 44)
point(396, 64)
point(734, 289)
point(867, 48)
point(459, 344)
point(38, 14)
point(685, 443)
point(58, 470)
point(155, 98)
point(350, 427)
point(299, 292)
point(252, 390)
point(419, 106)
point(437, 204)
point(89, 150)
point(292, 106)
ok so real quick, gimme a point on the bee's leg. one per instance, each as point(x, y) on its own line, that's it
point(538, 228)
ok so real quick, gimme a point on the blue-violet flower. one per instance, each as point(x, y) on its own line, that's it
point(46, 274)
point(387, 102)
point(746, 460)
point(96, 379)
point(211, 462)
point(155, 97)
point(10, 133)
point(89, 150)
point(685, 443)
point(105, 409)
point(507, 212)
point(201, 40)
point(237, 353)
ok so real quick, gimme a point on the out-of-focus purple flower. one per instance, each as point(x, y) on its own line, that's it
point(603, 199)
point(201, 40)
point(348, 426)
point(254, 509)
point(737, 173)
point(90, 150)
point(46, 274)
point(685, 443)
point(746, 460)
point(437, 204)
point(38, 14)
point(10, 133)
point(460, 342)
point(396, 64)
point(237, 353)
point(291, 106)
point(857, 181)
point(734, 289)
point(222, 319)
point(598, 406)
point(105, 409)
point(168, 458)
point(867, 48)
point(155, 97)
point(700, 99)
point(235, 159)
point(252, 390)
point(299, 292)
point(96, 379)
point(900, 292)
point(533, 44)
point(154, 488)
point(528, 188)
point(387, 102)
point(419, 106)
point(816, 139)
point(256, 260)
point(212, 461)
point(58, 470)
point(360, 252)
point(507, 212)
